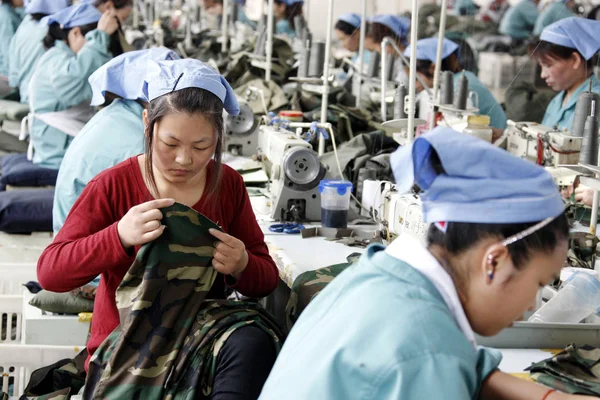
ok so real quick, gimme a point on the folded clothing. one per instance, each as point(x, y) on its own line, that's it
point(18, 171)
point(61, 303)
point(26, 210)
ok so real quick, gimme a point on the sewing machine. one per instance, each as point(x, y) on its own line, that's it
point(241, 132)
point(295, 171)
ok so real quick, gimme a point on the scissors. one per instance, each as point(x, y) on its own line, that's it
point(289, 228)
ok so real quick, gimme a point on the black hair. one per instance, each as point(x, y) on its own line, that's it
point(542, 50)
point(117, 3)
point(37, 16)
point(377, 32)
point(291, 12)
point(449, 63)
point(189, 101)
point(346, 28)
point(55, 32)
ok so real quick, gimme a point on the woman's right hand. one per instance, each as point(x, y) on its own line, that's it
point(108, 22)
point(584, 195)
point(141, 224)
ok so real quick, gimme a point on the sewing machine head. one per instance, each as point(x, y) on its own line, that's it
point(241, 132)
point(294, 172)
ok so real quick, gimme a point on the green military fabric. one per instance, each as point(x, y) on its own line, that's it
point(576, 370)
point(13, 110)
point(524, 102)
point(169, 337)
point(273, 95)
point(309, 284)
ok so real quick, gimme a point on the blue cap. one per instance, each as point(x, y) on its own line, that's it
point(399, 25)
point(292, 2)
point(125, 75)
point(342, 187)
point(46, 7)
point(427, 49)
point(351, 18)
point(575, 33)
point(481, 183)
point(165, 77)
point(70, 17)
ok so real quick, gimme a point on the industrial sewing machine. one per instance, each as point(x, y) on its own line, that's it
point(241, 132)
point(294, 171)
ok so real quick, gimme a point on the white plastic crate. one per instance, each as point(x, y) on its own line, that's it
point(14, 275)
point(11, 319)
point(17, 362)
point(500, 70)
point(37, 240)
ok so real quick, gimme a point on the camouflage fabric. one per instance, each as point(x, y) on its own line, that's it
point(576, 370)
point(169, 337)
point(582, 250)
point(309, 284)
point(86, 292)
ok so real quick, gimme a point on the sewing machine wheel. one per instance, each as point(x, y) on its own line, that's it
point(301, 165)
point(241, 124)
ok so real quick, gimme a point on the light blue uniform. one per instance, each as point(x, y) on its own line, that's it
point(242, 17)
point(61, 82)
point(487, 103)
point(562, 116)
point(552, 13)
point(115, 134)
point(519, 20)
point(380, 330)
point(26, 49)
point(283, 27)
point(10, 19)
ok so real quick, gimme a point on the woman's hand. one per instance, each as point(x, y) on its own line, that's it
point(108, 22)
point(230, 256)
point(584, 195)
point(141, 224)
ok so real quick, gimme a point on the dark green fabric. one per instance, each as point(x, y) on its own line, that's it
point(61, 303)
point(524, 102)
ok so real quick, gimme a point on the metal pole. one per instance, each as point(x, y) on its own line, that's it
point(413, 72)
point(438, 58)
point(225, 27)
point(136, 14)
point(361, 54)
point(594, 218)
point(325, 98)
point(384, 55)
point(270, 40)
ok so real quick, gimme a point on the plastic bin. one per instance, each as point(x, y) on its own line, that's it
point(500, 70)
point(11, 319)
point(335, 203)
point(14, 275)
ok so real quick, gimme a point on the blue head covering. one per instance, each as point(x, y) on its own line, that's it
point(292, 2)
point(427, 49)
point(45, 6)
point(576, 33)
point(481, 183)
point(70, 17)
point(351, 18)
point(399, 25)
point(125, 75)
point(164, 77)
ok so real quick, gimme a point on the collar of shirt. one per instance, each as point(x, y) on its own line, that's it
point(572, 101)
point(411, 251)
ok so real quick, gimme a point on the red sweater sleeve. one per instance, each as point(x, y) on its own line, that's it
point(87, 245)
point(261, 275)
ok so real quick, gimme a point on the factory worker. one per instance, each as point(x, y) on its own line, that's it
point(113, 135)
point(10, 18)
point(519, 20)
point(285, 12)
point(401, 322)
point(565, 52)
point(398, 28)
point(215, 8)
point(426, 57)
point(347, 31)
point(77, 41)
point(552, 12)
point(465, 7)
point(119, 211)
point(26, 46)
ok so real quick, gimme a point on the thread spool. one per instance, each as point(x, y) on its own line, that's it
point(235, 13)
point(582, 111)
point(316, 62)
point(462, 94)
point(299, 25)
point(447, 88)
point(374, 62)
point(391, 61)
point(589, 146)
point(305, 56)
point(401, 93)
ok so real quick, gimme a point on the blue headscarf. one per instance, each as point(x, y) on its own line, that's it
point(576, 33)
point(481, 183)
point(125, 75)
point(78, 15)
point(351, 19)
point(164, 77)
point(292, 2)
point(399, 25)
point(427, 49)
point(46, 7)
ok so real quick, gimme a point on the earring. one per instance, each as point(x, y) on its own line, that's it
point(490, 274)
point(492, 265)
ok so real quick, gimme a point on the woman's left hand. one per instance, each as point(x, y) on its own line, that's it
point(230, 257)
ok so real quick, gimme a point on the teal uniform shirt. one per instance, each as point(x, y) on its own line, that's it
point(465, 7)
point(487, 103)
point(9, 22)
point(26, 49)
point(380, 330)
point(115, 134)
point(519, 20)
point(283, 27)
point(552, 13)
point(242, 17)
point(61, 82)
point(562, 116)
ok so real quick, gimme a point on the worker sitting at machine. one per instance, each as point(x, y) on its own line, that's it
point(395, 27)
point(552, 12)
point(26, 46)
point(10, 18)
point(285, 12)
point(347, 30)
point(465, 7)
point(215, 7)
point(401, 322)
point(426, 57)
point(519, 20)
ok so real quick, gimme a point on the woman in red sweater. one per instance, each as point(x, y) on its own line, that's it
point(119, 211)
